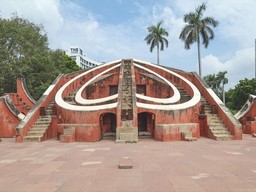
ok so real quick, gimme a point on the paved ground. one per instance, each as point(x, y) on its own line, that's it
point(203, 165)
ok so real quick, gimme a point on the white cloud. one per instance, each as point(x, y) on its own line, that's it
point(41, 12)
point(239, 67)
point(236, 20)
point(67, 24)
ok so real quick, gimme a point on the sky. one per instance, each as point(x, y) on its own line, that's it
point(107, 30)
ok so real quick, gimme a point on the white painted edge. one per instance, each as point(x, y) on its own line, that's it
point(49, 90)
point(192, 102)
point(60, 101)
point(21, 116)
point(79, 99)
point(175, 98)
point(249, 104)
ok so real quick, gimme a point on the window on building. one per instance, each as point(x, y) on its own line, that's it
point(74, 50)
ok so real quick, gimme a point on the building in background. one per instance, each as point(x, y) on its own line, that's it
point(81, 59)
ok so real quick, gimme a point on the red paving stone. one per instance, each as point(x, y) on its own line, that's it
point(201, 166)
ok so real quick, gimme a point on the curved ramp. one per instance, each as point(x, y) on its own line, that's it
point(246, 108)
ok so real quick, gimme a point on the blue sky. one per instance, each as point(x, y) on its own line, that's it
point(112, 29)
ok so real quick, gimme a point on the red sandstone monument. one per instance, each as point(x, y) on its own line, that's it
point(247, 116)
point(125, 100)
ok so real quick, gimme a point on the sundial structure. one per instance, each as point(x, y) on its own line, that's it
point(127, 100)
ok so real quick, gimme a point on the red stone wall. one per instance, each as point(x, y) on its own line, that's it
point(101, 88)
point(22, 93)
point(8, 121)
point(248, 121)
point(172, 132)
point(153, 88)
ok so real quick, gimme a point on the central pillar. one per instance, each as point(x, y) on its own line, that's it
point(127, 130)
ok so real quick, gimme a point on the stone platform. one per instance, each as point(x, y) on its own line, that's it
point(202, 166)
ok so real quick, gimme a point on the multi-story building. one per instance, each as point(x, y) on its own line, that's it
point(81, 59)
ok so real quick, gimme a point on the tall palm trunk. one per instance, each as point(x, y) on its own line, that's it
point(223, 94)
point(157, 53)
point(199, 53)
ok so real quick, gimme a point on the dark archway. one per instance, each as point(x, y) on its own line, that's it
point(146, 125)
point(108, 125)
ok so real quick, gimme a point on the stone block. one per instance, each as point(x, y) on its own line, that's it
point(125, 163)
point(126, 136)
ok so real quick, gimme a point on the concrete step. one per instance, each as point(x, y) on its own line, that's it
point(218, 128)
point(216, 124)
point(43, 120)
point(36, 133)
point(38, 129)
point(224, 137)
point(32, 138)
point(216, 133)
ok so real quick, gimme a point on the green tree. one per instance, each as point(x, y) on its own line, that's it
point(24, 53)
point(23, 45)
point(156, 38)
point(62, 62)
point(198, 26)
point(237, 97)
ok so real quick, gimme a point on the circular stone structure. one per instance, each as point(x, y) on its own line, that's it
point(127, 99)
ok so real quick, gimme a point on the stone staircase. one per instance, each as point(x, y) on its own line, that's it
point(71, 98)
point(37, 132)
point(184, 96)
point(215, 124)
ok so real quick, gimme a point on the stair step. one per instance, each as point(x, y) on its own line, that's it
point(224, 137)
point(32, 138)
point(220, 133)
point(218, 128)
point(38, 130)
point(36, 133)
point(40, 125)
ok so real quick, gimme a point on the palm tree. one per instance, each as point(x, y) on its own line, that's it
point(212, 82)
point(197, 26)
point(222, 80)
point(156, 38)
point(217, 83)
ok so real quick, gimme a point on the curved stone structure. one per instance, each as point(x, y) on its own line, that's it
point(247, 115)
point(127, 100)
point(13, 109)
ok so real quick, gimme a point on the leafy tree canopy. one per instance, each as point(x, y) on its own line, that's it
point(24, 53)
point(237, 97)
